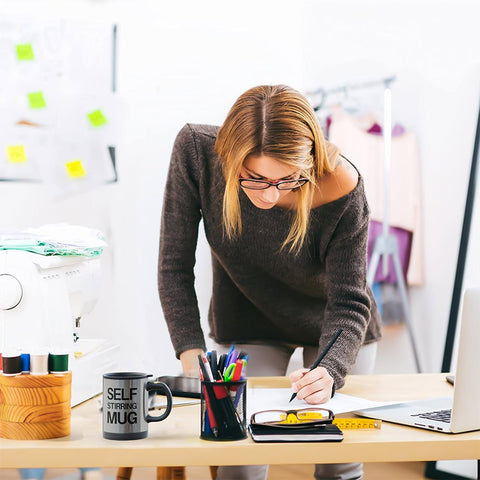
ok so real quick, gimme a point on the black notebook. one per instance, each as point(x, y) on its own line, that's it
point(273, 433)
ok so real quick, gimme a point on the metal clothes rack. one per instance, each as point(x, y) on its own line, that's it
point(386, 245)
point(324, 93)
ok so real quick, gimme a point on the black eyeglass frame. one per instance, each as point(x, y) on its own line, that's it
point(301, 424)
point(301, 181)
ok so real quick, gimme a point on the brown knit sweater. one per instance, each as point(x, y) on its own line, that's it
point(260, 293)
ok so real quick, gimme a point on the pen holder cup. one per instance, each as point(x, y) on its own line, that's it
point(35, 407)
point(224, 410)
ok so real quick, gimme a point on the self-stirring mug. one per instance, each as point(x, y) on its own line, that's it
point(125, 405)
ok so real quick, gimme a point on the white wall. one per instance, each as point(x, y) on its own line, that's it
point(188, 61)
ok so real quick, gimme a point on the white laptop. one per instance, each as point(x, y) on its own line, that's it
point(446, 414)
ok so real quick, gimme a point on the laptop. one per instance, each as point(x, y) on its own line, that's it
point(460, 413)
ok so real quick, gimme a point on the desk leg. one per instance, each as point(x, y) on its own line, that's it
point(171, 473)
point(213, 472)
point(124, 473)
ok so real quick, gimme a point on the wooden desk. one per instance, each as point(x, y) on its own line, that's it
point(175, 441)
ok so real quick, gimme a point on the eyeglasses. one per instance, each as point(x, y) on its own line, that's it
point(305, 417)
point(254, 184)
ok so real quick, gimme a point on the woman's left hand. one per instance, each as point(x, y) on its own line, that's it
point(313, 386)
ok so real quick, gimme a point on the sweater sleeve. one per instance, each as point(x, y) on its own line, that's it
point(348, 302)
point(178, 240)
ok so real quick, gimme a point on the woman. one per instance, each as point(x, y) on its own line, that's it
point(287, 220)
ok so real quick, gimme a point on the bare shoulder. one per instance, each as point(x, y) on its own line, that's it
point(337, 184)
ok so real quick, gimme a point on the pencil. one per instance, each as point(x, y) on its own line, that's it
point(321, 357)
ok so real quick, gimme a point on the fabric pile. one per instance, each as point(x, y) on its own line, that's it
point(55, 239)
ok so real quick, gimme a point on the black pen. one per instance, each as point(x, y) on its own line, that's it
point(321, 357)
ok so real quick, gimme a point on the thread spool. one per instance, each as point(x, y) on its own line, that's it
point(58, 363)
point(25, 360)
point(39, 363)
point(12, 364)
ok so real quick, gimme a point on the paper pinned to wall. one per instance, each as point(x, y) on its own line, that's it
point(88, 157)
point(57, 79)
point(24, 148)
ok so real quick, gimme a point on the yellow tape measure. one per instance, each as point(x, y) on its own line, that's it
point(341, 423)
point(357, 423)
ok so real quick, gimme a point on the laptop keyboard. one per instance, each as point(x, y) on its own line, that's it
point(438, 415)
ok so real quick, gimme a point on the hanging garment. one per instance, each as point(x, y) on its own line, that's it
point(404, 240)
point(366, 151)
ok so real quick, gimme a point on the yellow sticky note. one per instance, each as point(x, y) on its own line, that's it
point(75, 169)
point(97, 118)
point(16, 154)
point(25, 51)
point(36, 100)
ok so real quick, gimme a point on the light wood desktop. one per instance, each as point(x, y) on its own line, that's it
point(175, 441)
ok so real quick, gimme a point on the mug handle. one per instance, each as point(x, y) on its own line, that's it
point(159, 387)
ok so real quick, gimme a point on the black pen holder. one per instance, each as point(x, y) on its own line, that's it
point(224, 410)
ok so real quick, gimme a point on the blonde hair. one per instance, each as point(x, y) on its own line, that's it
point(275, 121)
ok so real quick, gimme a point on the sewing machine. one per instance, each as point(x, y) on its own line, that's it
point(42, 302)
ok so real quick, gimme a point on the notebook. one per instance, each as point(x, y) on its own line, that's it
point(446, 414)
point(272, 433)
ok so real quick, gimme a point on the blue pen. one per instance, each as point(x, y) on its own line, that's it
point(227, 362)
point(233, 358)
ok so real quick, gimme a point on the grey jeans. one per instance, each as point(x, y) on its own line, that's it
point(272, 360)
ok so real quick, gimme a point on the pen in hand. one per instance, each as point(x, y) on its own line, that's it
point(321, 357)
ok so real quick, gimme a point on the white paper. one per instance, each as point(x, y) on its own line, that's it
point(278, 399)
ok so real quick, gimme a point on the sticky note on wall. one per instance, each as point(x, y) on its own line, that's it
point(75, 169)
point(16, 154)
point(96, 118)
point(36, 100)
point(24, 51)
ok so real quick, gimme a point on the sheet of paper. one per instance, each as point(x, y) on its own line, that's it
point(278, 399)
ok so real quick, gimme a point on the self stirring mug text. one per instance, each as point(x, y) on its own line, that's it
point(125, 405)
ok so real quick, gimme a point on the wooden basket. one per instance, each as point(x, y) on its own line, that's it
point(35, 407)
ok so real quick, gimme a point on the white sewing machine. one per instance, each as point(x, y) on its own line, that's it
point(42, 300)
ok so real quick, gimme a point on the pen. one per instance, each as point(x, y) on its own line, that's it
point(237, 375)
point(209, 414)
point(233, 358)
point(206, 363)
point(214, 364)
point(229, 355)
point(221, 362)
point(321, 357)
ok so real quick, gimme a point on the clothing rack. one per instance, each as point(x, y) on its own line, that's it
point(324, 93)
point(386, 245)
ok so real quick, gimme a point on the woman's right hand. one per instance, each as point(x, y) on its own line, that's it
point(189, 359)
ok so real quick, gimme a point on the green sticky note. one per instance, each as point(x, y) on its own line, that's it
point(36, 100)
point(25, 51)
point(97, 118)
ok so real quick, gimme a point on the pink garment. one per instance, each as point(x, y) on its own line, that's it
point(366, 151)
point(404, 241)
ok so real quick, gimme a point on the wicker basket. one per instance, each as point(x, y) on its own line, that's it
point(35, 407)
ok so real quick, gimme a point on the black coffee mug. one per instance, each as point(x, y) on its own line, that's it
point(125, 405)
